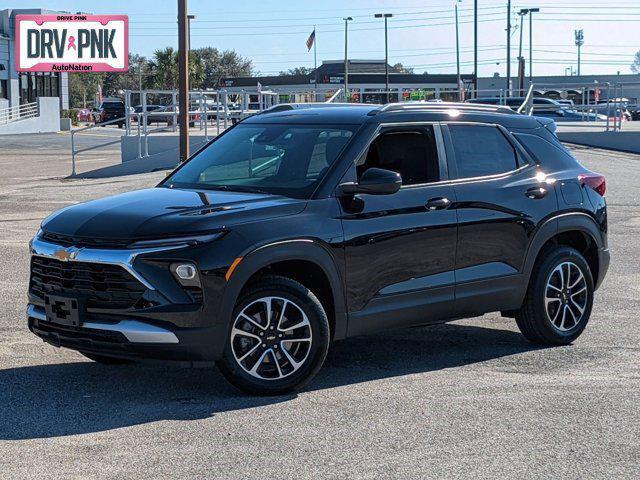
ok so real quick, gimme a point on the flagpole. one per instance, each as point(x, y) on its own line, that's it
point(315, 61)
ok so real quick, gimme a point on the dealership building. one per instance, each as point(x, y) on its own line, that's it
point(366, 83)
point(19, 88)
point(579, 88)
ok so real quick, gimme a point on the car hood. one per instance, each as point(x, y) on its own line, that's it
point(159, 212)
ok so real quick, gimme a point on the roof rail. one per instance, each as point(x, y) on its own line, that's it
point(467, 107)
point(281, 107)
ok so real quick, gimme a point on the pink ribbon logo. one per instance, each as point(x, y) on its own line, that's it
point(72, 43)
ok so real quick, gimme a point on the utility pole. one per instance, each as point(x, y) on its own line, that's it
point(458, 54)
point(579, 35)
point(346, 60)
point(475, 46)
point(386, 16)
point(183, 79)
point(531, 12)
point(508, 48)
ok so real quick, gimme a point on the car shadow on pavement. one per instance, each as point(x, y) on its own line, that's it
point(44, 401)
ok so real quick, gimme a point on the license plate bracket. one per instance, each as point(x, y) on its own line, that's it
point(62, 310)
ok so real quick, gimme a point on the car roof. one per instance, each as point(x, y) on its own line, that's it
point(358, 114)
point(354, 114)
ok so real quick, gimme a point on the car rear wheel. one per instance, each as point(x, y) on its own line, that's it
point(278, 340)
point(558, 304)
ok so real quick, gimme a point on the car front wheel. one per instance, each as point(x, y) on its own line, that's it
point(558, 304)
point(278, 339)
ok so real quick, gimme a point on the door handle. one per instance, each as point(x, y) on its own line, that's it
point(536, 193)
point(438, 203)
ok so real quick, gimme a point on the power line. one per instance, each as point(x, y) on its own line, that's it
point(305, 32)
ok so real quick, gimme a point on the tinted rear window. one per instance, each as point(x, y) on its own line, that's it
point(113, 105)
point(554, 156)
point(482, 150)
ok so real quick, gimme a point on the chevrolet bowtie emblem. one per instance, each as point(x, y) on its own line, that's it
point(66, 254)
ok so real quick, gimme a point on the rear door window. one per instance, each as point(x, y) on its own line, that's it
point(482, 150)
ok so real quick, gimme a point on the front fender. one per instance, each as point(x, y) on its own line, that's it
point(298, 249)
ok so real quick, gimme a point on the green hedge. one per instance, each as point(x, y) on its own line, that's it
point(72, 113)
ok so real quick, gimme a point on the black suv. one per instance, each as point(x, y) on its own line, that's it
point(300, 226)
point(112, 109)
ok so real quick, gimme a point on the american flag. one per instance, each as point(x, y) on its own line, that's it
point(311, 40)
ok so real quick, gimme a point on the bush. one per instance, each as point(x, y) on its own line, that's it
point(72, 113)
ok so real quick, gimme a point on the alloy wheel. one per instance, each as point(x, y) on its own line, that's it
point(566, 296)
point(271, 338)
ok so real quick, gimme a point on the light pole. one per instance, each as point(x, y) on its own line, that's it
point(183, 78)
point(579, 34)
point(475, 46)
point(346, 61)
point(386, 51)
point(522, 13)
point(458, 54)
point(189, 18)
point(531, 12)
point(508, 48)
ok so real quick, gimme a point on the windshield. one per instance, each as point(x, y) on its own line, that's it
point(279, 159)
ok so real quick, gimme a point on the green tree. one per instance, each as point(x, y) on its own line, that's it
point(635, 66)
point(163, 70)
point(83, 88)
point(115, 82)
point(297, 71)
point(217, 65)
point(402, 69)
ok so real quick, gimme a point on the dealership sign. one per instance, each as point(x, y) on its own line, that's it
point(72, 43)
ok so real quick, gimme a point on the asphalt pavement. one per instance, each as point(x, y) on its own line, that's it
point(470, 399)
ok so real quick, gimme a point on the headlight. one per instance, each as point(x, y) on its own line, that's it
point(177, 241)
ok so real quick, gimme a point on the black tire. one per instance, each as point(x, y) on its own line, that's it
point(303, 301)
point(106, 360)
point(534, 317)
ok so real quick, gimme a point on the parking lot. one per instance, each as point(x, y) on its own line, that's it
point(470, 399)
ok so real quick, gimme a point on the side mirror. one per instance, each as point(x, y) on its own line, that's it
point(374, 181)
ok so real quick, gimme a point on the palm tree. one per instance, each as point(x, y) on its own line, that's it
point(164, 70)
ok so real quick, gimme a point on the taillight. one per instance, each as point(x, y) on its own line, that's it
point(595, 181)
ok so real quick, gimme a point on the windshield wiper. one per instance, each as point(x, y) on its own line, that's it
point(235, 188)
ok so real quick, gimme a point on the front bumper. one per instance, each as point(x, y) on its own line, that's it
point(126, 338)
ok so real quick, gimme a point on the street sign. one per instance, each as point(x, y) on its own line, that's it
point(72, 43)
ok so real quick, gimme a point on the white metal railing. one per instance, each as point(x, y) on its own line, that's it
point(527, 105)
point(206, 108)
point(75, 151)
point(19, 112)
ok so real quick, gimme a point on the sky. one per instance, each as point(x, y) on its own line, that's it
point(273, 33)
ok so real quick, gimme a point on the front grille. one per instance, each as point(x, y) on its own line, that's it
point(98, 285)
point(74, 241)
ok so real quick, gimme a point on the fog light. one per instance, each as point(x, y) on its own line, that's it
point(185, 271)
